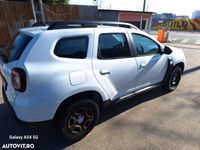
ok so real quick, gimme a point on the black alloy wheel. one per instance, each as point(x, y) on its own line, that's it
point(173, 80)
point(78, 119)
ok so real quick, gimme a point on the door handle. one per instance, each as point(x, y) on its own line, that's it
point(143, 65)
point(104, 72)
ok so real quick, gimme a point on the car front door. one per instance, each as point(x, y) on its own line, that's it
point(113, 63)
point(152, 65)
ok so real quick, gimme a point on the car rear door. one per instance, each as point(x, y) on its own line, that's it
point(114, 66)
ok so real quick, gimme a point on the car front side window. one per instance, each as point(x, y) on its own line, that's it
point(144, 45)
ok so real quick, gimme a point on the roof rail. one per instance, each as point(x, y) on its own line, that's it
point(37, 24)
point(83, 23)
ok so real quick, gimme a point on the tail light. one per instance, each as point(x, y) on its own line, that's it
point(18, 79)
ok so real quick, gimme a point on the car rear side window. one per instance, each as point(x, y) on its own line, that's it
point(17, 46)
point(113, 46)
point(73, 47)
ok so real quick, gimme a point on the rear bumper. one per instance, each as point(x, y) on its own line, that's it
point(21, 122)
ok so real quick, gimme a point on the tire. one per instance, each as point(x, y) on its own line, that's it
point(78, 119)
point(173, 79)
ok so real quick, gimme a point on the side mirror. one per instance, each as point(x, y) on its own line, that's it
point(167, 50)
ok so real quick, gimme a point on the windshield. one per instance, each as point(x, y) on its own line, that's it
point(16, 47)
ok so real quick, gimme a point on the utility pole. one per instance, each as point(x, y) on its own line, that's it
point(39, 12)
point(95, 2)
point(144, 5)
point(33, 10)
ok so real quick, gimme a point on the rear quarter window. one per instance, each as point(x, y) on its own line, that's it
point(72, 47)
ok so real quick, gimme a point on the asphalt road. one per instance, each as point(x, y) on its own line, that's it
point(153, 120)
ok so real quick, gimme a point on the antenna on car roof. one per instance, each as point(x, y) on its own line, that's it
point(83, 23)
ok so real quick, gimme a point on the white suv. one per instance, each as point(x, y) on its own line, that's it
point(68, 72)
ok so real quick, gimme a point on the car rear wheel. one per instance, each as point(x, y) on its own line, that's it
point(173, 79)
point(78, 119)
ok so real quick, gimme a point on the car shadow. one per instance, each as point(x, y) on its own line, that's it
point(191, 70)
point(47, 137)
point(130, 103)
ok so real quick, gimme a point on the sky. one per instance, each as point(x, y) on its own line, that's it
point(178, 7)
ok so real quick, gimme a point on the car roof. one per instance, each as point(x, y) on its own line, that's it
point(39, 29)
point(77, 24)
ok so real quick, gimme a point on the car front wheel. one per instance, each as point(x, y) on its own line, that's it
point(173, 79)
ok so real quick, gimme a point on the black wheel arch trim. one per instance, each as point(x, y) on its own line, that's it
point(94, 95)
point(170, 67)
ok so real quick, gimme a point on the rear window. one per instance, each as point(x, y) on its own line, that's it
point(73, 47)
point(17, 46)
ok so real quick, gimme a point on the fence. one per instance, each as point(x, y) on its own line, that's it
point(15, 15)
